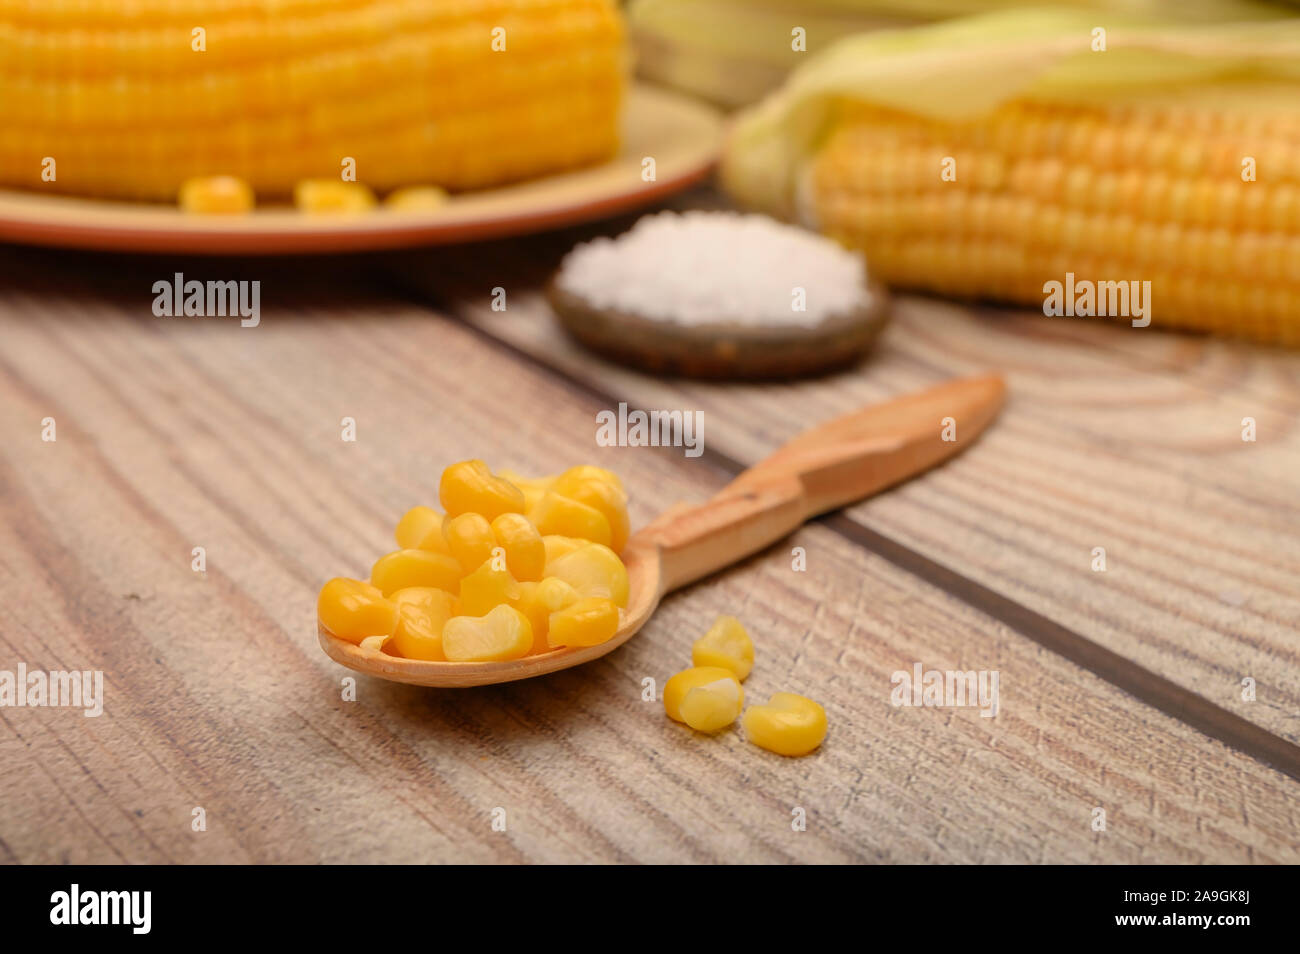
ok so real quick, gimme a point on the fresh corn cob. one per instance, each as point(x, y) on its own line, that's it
point(1176, 162)
point(119, 96)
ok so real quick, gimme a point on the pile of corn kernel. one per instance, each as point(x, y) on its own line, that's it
point(708, 697)
point(512, 567)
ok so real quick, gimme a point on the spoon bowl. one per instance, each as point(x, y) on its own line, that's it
point(644, 593)
point(824, 468)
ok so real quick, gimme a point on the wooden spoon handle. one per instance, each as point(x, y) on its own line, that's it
point(824, 468)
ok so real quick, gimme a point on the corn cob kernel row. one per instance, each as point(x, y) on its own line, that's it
point(1135, 192)
point(431, 102)
point(160, 43)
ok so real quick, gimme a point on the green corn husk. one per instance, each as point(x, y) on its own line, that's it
point(734, 52)
point(962, 69)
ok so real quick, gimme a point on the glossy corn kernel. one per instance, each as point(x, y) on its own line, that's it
point(726, 644)
point(587, 622)
point(607, 498)
point(469, 539)
point(216, 195)
point(788, 725)
point(416, 525)
point(533, 488)
point(422, 612)
point(416, 199)
point(556, 514)
point(431, 597)
point(525, 552)
point(593, 570)
point(537, 615)
point(353, 610)
point(503, 633)
point(557, 546)
point(713, 706)
point(332, 197)
point(538, 601)
point(377, 644)
point(707, 698)
point(566, 482)
point(469, 487)
point(488, 586)
point(403, 568)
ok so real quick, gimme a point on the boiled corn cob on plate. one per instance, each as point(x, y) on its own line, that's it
point(988, 158)
point(683, 136)
point(135, 102)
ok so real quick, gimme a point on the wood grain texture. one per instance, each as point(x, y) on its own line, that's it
point(1127, 439)
point(175, 434)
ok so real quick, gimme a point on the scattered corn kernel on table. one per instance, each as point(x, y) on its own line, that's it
point(174, 434)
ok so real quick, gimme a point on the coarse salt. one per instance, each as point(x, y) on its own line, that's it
point(706, 268)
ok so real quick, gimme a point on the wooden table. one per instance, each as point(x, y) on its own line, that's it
point(181, 433)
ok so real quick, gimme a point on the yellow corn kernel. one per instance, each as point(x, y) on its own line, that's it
point(422, 613)
point(588, 622)
point(377, 643)
point(545, 482)
point(538, 616)
point(504, 633)
point(726, 644)
point(403, 568)
point(219, 195)
point(469, 487)
point(525, 552)
point(610, 501)
point(713, 706)
point(419, 198)
point(534, 488)
point(593, 570)
point(566, 482)
point(416, 524)
point(430, 597)
point(538, 601)
point(332, 196)
point(714, 694)
point(558, 546)
point(565, 516)
point(488, 586)
point(436, 540)
point(788, 725)
point(469, 539)
point(353, 610)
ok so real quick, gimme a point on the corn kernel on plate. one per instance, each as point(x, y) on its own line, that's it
point(683, 137)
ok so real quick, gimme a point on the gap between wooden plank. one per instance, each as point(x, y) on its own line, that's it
point(1141, 683)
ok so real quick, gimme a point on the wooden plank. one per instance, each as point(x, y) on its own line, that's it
point(1117, 438)
point(175, 434)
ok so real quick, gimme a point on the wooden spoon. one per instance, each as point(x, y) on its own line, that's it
point(822, 469)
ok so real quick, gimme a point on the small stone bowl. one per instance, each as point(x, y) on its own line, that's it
point(723, 350)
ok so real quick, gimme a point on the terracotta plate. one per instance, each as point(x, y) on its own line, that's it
point(682, 135)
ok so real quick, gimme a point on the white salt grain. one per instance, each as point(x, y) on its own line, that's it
point(704, 268)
